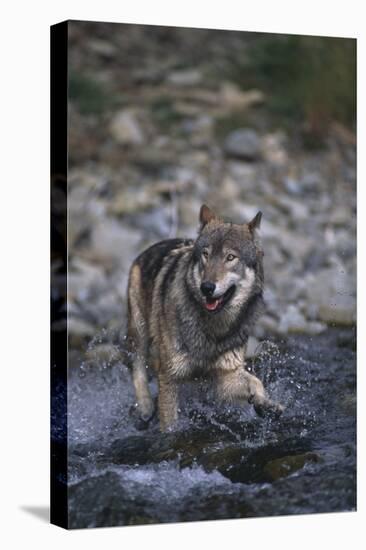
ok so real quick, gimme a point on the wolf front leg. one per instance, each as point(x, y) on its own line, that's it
point(168, 401)
point(239, 385)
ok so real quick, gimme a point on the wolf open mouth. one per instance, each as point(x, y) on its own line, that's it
point(215, 304)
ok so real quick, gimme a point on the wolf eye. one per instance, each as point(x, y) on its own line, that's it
point(230, 257)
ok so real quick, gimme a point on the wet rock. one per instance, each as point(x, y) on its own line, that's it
point(126, 128)
point(111, 504)
point(243, 143)
point(347, 339)
point(287, 465)
point(265, 464)
point(222, 459)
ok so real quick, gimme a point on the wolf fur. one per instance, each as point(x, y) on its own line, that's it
point(191, 306)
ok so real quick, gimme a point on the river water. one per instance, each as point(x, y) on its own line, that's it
point(221, 461)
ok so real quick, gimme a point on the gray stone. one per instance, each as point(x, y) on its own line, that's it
point(331, 293)
point(187, 77)
point(273, 149)
point(292, 186)
point(113, 242)
point(243, 143)
point(126, 129)
point(312, 181)
point(232, 98)
point(297, 209)
point(133, 200)
point(292, 321)
point(79, 327)
point(341, 311)
point(82, 278)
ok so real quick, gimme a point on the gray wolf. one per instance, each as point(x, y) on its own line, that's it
point(191, 306)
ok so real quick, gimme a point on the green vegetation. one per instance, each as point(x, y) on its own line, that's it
point(165, 114)
point(308, 79)
point(90, 96)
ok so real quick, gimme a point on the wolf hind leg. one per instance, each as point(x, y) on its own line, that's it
point(137, 339)
point(145, 403)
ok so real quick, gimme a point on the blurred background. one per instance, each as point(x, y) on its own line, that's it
point(163, 119)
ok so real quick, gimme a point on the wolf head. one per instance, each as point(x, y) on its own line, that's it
point(226, 269)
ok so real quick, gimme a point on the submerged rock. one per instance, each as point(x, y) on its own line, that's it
point(287, 465)
point(111, 504)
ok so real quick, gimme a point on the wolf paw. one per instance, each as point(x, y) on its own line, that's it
point(141, 421)
point(269, 409)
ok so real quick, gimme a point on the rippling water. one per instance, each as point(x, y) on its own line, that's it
point(221, 462)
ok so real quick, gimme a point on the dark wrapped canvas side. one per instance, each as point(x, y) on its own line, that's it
point(58, 274)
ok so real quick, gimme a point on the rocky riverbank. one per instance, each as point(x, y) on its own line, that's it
point(158, 141)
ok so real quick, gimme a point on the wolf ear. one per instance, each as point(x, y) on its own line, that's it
point(206, 215)
point(256, 222)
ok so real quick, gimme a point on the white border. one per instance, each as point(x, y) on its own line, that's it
point(25, 273)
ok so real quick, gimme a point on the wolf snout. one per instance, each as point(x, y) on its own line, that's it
point(208, 288)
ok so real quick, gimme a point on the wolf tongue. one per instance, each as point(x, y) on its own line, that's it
point(211, 306)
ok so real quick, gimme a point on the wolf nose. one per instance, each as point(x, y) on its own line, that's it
point(208, 288)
